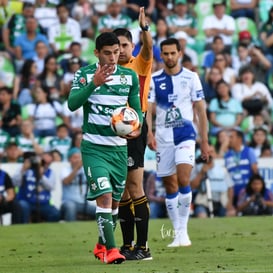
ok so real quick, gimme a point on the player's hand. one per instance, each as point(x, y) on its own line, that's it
point(205, 153)
point(151, 142)
point(134, 134)
point(142, 18)
point(102, 74)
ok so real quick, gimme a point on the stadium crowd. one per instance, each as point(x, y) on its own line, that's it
point(44, 42)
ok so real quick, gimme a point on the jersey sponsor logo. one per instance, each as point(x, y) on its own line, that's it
point(124, 90)
point(82, 80)
point(162, 86)
point(172, 97)
point(103, 183)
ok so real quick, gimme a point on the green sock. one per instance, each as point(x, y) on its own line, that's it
point(105, 226)
point(115, 218)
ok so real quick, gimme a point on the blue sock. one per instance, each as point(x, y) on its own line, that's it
point(185, 189)
point(171, 195)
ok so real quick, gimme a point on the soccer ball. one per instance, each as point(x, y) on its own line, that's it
point(124, 120)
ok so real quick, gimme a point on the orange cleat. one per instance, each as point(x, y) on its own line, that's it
point(114, 257)
point(100, 252)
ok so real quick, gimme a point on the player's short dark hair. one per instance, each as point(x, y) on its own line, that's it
point(170, 41)
point(124, 32)
point(106, 39)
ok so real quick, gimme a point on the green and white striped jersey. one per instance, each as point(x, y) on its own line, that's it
point(99, 102)
point(4, 140)
point(26, 144)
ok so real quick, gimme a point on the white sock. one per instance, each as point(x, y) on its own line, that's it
point(172, 209)
point(184, 209)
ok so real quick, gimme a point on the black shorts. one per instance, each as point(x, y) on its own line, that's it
point(136, 148)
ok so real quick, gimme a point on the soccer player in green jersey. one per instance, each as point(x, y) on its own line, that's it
point(100, 88)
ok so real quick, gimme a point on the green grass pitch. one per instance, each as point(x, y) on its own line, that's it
point(242, 244)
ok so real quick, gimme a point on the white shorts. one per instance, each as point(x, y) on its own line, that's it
point(168, 157)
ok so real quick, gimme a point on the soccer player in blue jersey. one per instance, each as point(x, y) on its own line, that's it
point(176, 96)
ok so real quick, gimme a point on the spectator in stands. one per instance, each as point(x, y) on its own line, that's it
point(76, 140)
point(240, 58)
point(255, 121)
point(259, 139)
point(133, 6)
point(156, 193)
point(241, 163)
point(182, 20)
point(50, 80)
point(220, 24)
point(244, 8)
point(43, 113)
point(10, 112)
point(8, 202)
point(162, 32)
point(163, 8)
point(36, 181)
point(75, 189)
point(100, 7)
point(5, 13)
point(266, 151)
point(217, 46)
point(260, 63)
point(45, 13)
point(16, 26)
point(56, 155)
point(255, 198)
point(12, 153)
point(41, 51)
point(83, 12)
point(254, 95)
point(183, 38)
point(245, 38)
point(73, 120)
point(25, 43)
point(64, 32)
point(209, 82)
point(26, 141)
point(225, 112)
point(24, 83)
point(221, 143)
point(5, 138)
point(74, 66)
point(228, 73)
point(267, 27)
point(61, 142)
point(219, 180)
point(75, 50)
point(114, 19)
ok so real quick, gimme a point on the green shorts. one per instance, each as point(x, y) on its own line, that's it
point(105, 169)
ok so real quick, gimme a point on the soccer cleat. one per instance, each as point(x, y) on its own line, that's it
point(180, 240)
point(127, 251)
point(185, 240)
point(140, 253)
point(113, 257)
point(99, 252)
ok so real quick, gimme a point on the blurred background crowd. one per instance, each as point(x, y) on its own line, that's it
point(44, 42)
